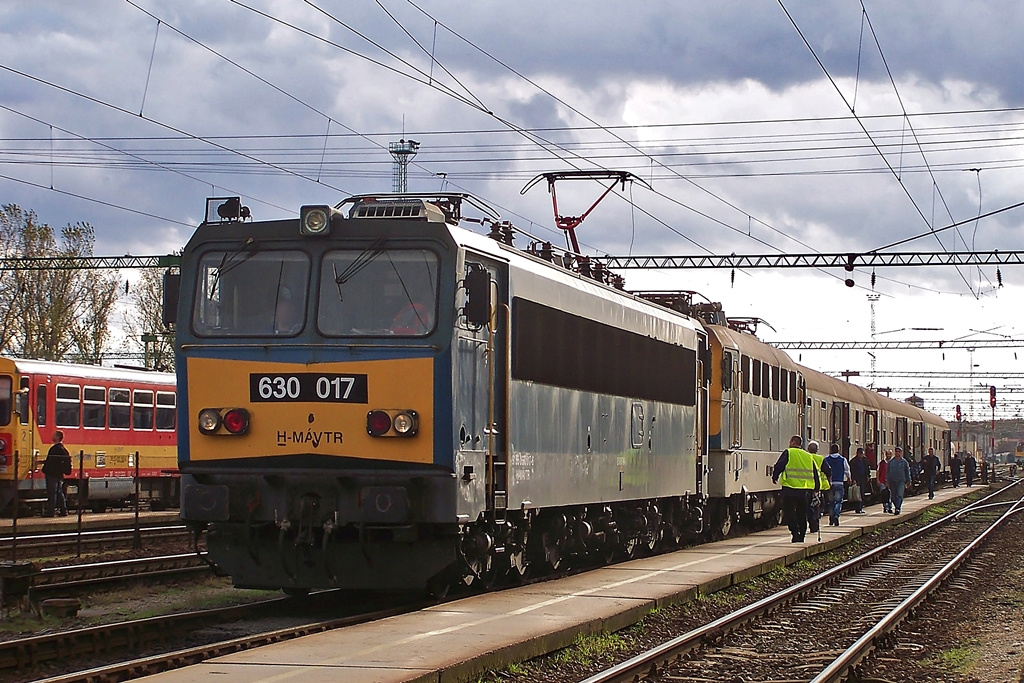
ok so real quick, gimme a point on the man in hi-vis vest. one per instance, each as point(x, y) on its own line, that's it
point(799, 472)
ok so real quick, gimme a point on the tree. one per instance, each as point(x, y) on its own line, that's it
point(56, 313)
point(145, 319)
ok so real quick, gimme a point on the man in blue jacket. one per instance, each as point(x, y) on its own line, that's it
point(897, 476)
point(839, 476)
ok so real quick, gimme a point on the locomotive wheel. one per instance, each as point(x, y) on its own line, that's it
point(725, 526)
point(634, 547)
point(552, 550)
point(518, 561)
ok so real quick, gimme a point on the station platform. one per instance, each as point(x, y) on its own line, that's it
point(90, 520)
point(459, 640)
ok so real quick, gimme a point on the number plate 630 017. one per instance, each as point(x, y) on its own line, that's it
point(307, 387)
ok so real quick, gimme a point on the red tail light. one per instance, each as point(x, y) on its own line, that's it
point(236, 420)
point(378, 423)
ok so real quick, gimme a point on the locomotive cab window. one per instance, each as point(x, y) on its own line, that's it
point(247, 292)
point(6, 400)
point(378, 293)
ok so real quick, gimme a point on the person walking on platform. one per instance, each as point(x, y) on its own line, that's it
point(970, 469)
point(815, 500)
point(56, 465)
point(797, 471)
point(954, 469)
point(860, 473)
point(897, 475)
point(931, 465)
point(883, 489)
point(839, 477)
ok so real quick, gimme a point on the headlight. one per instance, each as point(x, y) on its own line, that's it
point(209, 420)
point(405, 423)
point(315, 220)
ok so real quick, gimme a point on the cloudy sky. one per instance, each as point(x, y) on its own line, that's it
point(756, 128)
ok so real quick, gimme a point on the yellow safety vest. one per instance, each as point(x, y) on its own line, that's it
point(800, 468)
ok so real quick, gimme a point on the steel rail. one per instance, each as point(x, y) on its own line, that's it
point(179, 658)
point(841, 667)
point(648, 663)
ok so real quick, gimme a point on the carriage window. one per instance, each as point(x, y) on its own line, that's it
point(6, 400)
point(766, 380)
point(68, 408)
point(792, 388)
point(775, 383)
point(120, 409)
point(142, 410)
point(165, 410)
point(94, 409)
point(745, 373)
point(41, 405)
point(784, 385)
point(755, 374)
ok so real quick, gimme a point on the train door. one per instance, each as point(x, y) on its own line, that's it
point(871, 436)
point(801, 401)
point(840, 433)
point(481, 401)
point(918, 443)
point(730, 401)
point(28, 431)
point(901, 434)
point(703, 353)
point(946, 447)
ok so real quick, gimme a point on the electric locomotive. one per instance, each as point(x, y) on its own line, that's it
point(375, 397)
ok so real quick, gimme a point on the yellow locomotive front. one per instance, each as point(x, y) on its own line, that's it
point(314, 367)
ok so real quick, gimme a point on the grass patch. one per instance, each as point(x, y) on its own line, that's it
point(960, 659)
point(588, 649)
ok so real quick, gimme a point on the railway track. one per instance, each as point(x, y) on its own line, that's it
point(71, 579)
point(47, 544)
point(822, 629)
point(78, 655)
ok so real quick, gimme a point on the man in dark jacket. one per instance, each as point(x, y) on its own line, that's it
point(931, 466)
point(970, 468)
point(955, 464)
point(56, 465)
point(860, 472)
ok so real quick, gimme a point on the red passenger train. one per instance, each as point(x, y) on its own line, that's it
point(108, 415)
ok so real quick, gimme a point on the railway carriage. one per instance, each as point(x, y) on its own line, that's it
point(109, 414)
